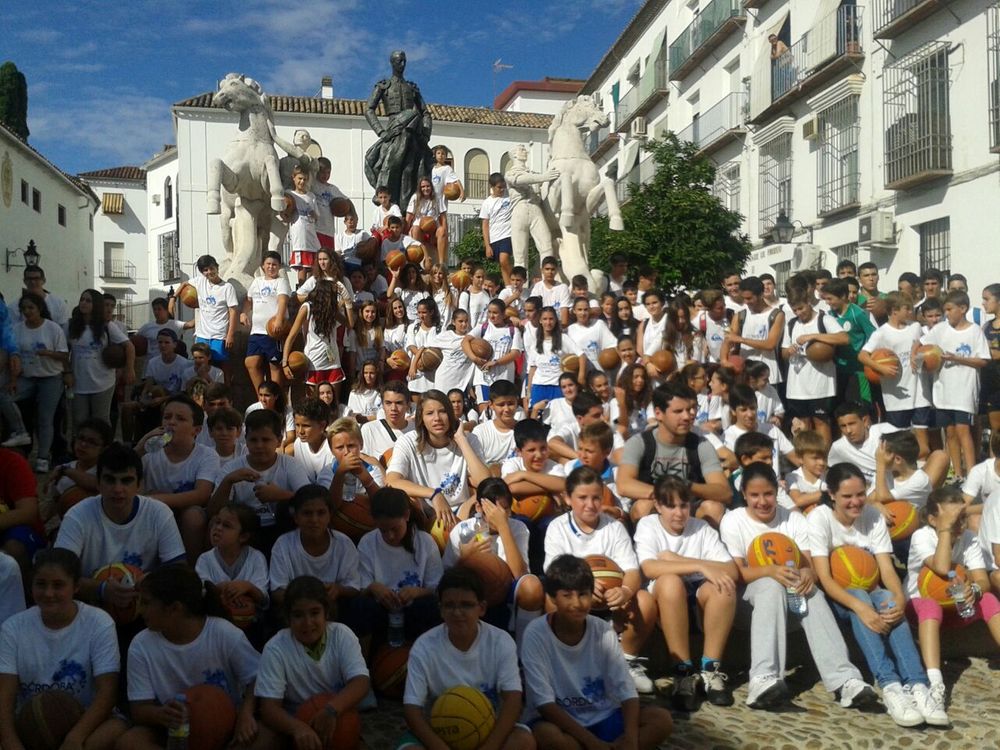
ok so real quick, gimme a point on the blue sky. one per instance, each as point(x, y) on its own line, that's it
point(102, 75)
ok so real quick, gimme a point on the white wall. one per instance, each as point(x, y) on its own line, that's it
point(127, 228)
point(158, 169)
point(545, 102)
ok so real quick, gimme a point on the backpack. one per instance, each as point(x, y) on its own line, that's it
point(741, 318)
point(691, 443)
point(820, 323)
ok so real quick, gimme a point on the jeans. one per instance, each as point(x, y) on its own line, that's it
point(45, 392)
point(891, 658)
point(86, 405)
point(9, 412)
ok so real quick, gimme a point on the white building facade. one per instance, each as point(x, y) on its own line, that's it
point(872, 127)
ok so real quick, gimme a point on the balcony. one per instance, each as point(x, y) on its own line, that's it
point(706, 32)
point(893, 17)
point(600, 142)
point(477, 186)
point(641, 174)
point(721, 124)
point(643, 96)
point(754, 3)
point(117, 270)
point(825, 52)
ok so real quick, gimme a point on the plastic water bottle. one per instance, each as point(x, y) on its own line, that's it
point(397, 622)
point(158, 442)
point(795, 601)
point(984, 443)
point(956, 590)
point(478, 531)
point(178, 736)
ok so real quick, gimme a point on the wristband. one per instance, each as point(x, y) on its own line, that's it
point(101, 589)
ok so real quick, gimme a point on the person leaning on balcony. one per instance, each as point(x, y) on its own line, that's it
point(778, 47)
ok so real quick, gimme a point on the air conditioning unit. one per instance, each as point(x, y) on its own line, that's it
point(638, 129)
point(810, 129)
point(806, 256)
point(876, 228)
point(156, 199)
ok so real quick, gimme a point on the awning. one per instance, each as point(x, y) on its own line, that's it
point(113, 203)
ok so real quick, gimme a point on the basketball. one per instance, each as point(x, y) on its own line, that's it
point(289, 210)
point(460, 280)
point(278, 329)
point(141, 344)
point(772, 548)
point(493, 572)
point(212, 715)
point(388, 670)
point(415, 253)
point(462, 717)
point(367, 251)
point(933, 586)
point(353, 519)
point(430, 359)
point(570, 363)
point(398, 360)
point(817, 352)
point(886, 357)
point(512, 313)
point(609, 358)
point(395, 259)
point(46, 718)
point(341, 207)
point(189, 296)
point(612, 505)
point(929, 357)
point(481, 348)
point(113, 355)
point(242, 612)
point(428, 225)
point(385, 458)
point(347, 735)
point(664, 361)
point(128, 575)
point(440, 533)
point(607, 573)
point(71, 497)
point(736, 363)
point(452, 191)
point(854, 568)
point(298, 365)
point(534, 508)
point(905, 519)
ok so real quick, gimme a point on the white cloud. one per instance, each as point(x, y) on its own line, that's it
point(39, 36)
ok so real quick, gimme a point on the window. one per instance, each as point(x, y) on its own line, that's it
point(775, 181)
point(504, 163)
point(727, 186)
point(477, 174)
point(24, 192)
point(782, 271)
point(169, 260)
point(61, 214)
point(935, 245)
point(838, 175)
point(168, 199)
point(846, 252)
point(36, 200)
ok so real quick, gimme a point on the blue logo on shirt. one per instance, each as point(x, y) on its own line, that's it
point(410, 578)
point(593, 689)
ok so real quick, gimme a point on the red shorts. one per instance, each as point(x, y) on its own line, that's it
point(325, 241)
point(302, 259)
point(336, 375)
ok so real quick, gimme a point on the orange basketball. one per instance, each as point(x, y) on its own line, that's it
point(612, 505)
point(854, 568)
point(493, 572)
point(141, 344)
point(430, 359)
point(460, 280)
point(772, 548)
point(288, 212)
point(189, 296)
point(341, 207)
point(113, 355)
point(440, 533)
point(607, 573)
point(428, 225)
point(278, 329)
point(212, 715)
point(609, 358)
point(905, 519)
point(71, 497)
point(367, 251)
point(512, 313)
point(388, 670)
point(395, 259)
point(398, 360)
point(452, 191)
point(385, 458)
point(570, 363)
point(885, 357)
point(415, 253)
point(534, 507)
point(298, 365)
point(353, 519)
point(128, 575)
point(929, 357)
point(347, 735)
point(46, 718)
point(664, 361)
point(242, 612)
point(818, 352)
point(481, 348)
point(933, 586)
point(736, 363)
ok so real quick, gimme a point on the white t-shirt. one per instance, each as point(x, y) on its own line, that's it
point(397, 568)
point(498, 211)
point(151, 330)
point(699, 541)
point(437, 468)
point(264, 294)
point(214, 301)
point(11, 587)
point(419, 337)
point(497, 446)
point(29, 340)
point(557, 296)
point(302, 227)
point(148, 539)
point(588, 680)
point(427, 208)
point(807, 379)
point(402, 243)
point(592, 339)
point(58, 310)
point(67, 659)
point(170, 376)
point(782, 445)
point(347, 245)
point(956, 386)
point(161, 475)
point(250, 567)
point(964, 551)
point(738, 529)
point(504, 340)
point(899, 393)
point(90, 374)
point(312, 462)
point(442, 175)
point(868, 532)
point(862, 456)
point(550, 468)
point(352, 484)
point(375, 437)
point(547, 364)
point(455, 370)
point(221, 656)
point(768, 404)
point(914, 489)
point(982, 481)
point(610, 538)
point(324, 193)
point(569, 433)
point(339, 564)
point(289, 674)
point(652, 334)
point(713, 333)
point(215, 375)
point(322, 351)
point(989, 529)
point(381, 214)
point(285, 472)
point(476, 304)
point(517, 529)
point(796, 480)
point(435, 665)
point(756, 327)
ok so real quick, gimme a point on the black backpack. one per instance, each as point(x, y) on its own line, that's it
point(691, 443)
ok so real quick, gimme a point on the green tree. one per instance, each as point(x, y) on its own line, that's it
point(675, 223)
point(14, 99)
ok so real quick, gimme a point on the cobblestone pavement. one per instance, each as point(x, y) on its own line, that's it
point(813, 720)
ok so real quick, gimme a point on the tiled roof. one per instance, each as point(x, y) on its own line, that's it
point(113, 203)
point(115, 173)
point(356, 108)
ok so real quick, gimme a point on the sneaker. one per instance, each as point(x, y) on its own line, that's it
point(857, 693)
point(900, 706)
point(42, 465)
point(930, 703)
point(685, 695)
point(17, 440)
point(637, 671)
point(717, 690)
point(766, 691)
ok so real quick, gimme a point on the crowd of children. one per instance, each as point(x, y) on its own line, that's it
point(272, 551)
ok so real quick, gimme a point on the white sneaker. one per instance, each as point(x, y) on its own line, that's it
point(42, 465)
point(637, 671)
point(857, 693)
point(930, 703)
point(900, 706)
point(17, 440)
point(766, 691)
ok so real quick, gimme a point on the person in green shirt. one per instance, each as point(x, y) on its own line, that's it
point(852, 385)
point(870, 298)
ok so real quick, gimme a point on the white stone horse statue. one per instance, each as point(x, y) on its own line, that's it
point(244, 187)
point(580, 189)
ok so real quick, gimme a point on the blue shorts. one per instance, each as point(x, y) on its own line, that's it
point(262, 345)
point(923, 417)
point(501, 247)
point(26, 535)
point(901, 420)
point(544, 393)
point(949, 417)
point(218, 347)
point(608, 729)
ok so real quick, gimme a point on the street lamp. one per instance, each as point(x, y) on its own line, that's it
point(31, 256)
point(784, 231)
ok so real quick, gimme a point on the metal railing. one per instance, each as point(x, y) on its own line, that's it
point(774, 193)
point(888, 12)
point(477, 185)
point(117, 268)
point(837, 34)
point(595, 139)
point(650, 87)
point(838, 168)
point(993, 76)
point(169, 261)
point(702, 29)
point(727, 114)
